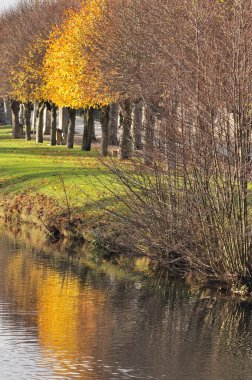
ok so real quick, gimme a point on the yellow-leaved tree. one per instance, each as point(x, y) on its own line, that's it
point(27, 84)
point(27, 74)
point(71, 73)
point(24, 34)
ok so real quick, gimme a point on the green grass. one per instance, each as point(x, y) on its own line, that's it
point(41, 168)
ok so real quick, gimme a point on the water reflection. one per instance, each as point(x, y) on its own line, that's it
point(59, 319)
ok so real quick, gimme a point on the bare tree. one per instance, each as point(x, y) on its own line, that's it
point(190, 62)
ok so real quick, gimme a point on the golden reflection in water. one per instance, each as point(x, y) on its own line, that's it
point(60, 307)
point(22, 280)
point(201, 331)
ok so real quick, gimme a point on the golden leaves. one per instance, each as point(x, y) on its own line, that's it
point(71, 73)
point(64, 69)
point(27, 75)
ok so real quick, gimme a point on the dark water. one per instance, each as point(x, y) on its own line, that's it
point(59, 319)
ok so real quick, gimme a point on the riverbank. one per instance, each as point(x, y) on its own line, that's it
point(120, 266)
point(63, 192)
point(30, 238)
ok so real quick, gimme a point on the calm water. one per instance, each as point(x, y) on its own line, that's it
point(60, 319)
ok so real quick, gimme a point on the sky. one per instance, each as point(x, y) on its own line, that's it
point(7, 3)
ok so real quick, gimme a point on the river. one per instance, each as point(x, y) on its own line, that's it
point(63, 319)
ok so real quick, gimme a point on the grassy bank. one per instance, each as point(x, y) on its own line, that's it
point(27, 165)
point(50, 180)
point(64, 192)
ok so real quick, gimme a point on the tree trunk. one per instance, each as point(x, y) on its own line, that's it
point(113, 124)
point(93, 132)
point(2, 113)
point(137, 125)
point(149, 125)
point(34, 116)
point(63, 119)
point(47, 121)
point(53, 111)
point(8, 112)
point(21, 115)
point(39, 123)
point(126, 139)
point(27, 120)
point(88, 129)
point(105, 130)
point(15, 120)
point(71, 128)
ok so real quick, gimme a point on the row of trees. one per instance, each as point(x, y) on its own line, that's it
point(51, 62)
point(189, 63)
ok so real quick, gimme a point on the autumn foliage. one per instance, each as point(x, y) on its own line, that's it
point(180, 72)
point(71, 74)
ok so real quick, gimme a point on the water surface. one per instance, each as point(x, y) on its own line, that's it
point(60, 319)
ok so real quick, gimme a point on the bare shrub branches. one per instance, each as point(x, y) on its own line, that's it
point(191, 64)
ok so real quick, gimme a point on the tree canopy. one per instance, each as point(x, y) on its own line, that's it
point(71, 74)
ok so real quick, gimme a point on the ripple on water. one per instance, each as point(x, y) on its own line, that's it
point(65, 321)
